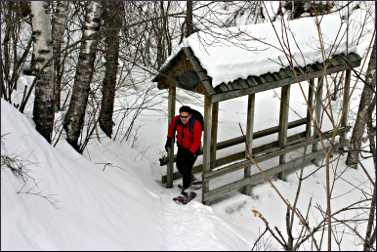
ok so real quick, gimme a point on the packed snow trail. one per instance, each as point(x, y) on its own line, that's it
point(182, 227)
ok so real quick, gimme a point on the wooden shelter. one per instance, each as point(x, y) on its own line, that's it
point(185, 71)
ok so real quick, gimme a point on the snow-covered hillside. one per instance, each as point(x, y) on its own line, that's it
point(65, 202)
point(111, 198)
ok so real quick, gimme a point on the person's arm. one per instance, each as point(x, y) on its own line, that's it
point(197, 138)
point(171, 127)
point(170, 136)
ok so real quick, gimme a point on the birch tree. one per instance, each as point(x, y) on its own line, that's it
point(58, 23)
point(74, 119)
point(43, 112)
point(112, 25)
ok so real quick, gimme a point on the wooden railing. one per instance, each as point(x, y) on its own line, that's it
point(294, 142)
point(235, 141)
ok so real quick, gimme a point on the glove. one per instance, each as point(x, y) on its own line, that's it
point(168, 144)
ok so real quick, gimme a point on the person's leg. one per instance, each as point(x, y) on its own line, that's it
point(179, 160)
point(188, 165)
point(182, 164)
point(193, 178)
point(186, 175)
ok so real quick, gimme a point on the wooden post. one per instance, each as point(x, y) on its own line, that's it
point(317, 111)
point(345, 108)
point(249, 138)
point(283, 123)
point(310, 111)
point(215, 118)
point(170, 165)
point(208, 109)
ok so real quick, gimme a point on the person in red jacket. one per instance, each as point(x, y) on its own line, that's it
point(189, 135)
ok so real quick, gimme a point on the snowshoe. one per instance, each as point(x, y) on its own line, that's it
point(184, 198)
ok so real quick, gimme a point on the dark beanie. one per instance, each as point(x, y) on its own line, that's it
point(185, 109)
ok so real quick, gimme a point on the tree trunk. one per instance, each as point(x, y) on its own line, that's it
point(189, 26)
point(161, 52)
point(58, 23)
point(313, 8)
point(74, 119)
point(362, 114)
point(112, 23)
point(166, 29)
point(43, 111)
point(6, 62)
point(367, 246)
point(13, 58)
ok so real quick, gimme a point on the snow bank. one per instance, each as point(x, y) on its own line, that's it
point(69, 203)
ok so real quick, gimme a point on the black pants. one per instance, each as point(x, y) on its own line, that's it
point(185, 162)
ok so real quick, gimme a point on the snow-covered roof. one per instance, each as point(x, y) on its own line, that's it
point(253, 50)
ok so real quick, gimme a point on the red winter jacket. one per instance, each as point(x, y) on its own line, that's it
point(190, 140)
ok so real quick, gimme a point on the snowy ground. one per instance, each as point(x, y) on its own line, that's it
point(111, 198)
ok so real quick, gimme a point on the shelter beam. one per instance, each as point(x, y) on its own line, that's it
point(208, 109)
point(283, 123)
point(170, 166)
point(249, 138)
